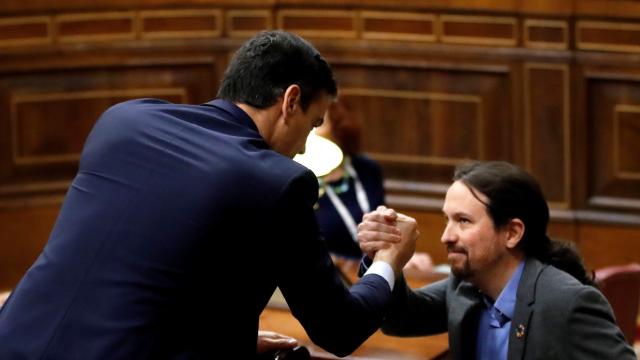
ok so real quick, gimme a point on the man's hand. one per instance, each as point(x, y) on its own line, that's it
point(378, 230)
point(388, 236)
point(272, 341)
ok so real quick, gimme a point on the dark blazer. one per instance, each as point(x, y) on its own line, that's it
point(333, 229)
point(556, 317)
point(171, 204)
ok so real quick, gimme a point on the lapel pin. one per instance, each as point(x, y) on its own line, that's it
point(520, 331)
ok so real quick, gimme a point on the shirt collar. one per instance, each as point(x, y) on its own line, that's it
point(506, 302)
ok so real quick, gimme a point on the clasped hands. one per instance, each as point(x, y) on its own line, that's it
point(386, 235)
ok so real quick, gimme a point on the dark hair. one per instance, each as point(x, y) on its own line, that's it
point(263, 68)
point(513, 193)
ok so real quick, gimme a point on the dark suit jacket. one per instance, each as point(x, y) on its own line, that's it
point(171, 204)
point(333, 229)
point(558, 317)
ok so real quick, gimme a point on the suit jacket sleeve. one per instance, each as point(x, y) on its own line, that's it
point(593, 333)
point(417, 312)
point(335, 318)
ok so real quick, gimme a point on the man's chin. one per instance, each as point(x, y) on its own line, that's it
point(460, 271)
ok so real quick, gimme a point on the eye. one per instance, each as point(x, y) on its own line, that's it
point(464, 221)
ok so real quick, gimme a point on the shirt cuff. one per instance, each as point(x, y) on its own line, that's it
point(383, 269)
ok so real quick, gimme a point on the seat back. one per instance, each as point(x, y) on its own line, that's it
point(621, 286)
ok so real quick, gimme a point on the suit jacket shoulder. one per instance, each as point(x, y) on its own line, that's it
point(557, 317)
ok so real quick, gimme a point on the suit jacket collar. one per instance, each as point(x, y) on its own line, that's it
point(463, 314)
point(525, 300)
point(463, 319)
point(235, 111)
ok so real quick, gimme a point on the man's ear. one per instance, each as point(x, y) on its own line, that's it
point(514, 232)
point(291, 101)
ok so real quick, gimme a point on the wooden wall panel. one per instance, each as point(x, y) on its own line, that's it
point(608, 36)
point(102, 26)
point(613, 132)
point(444, 118)
point(481, 30)
point(158, 24)
point(31, 30)
point(546, 34)
point(24, 231)
point(553, 86)
point(547, 129)
point(51, 113)
point(245, 23)
point(384, 25)
point(319, 23)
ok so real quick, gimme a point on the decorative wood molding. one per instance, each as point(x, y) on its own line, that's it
point(607, 36)
point(245, 23)
point(19, 99)
point(384, 25)
point(566, 124)
point(33, 30)
point(184, 23)
point(429, 96)
point(617, 202)
point(467, 36)
point(100, 26)
point(617, 168)
point(314, 23)
point(538, 41)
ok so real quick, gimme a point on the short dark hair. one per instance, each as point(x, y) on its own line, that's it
point(512, 193)
point(263, 68)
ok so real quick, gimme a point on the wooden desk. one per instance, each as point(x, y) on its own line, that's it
point(378, 346)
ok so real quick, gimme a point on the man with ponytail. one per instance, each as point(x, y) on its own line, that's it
point(513, 293)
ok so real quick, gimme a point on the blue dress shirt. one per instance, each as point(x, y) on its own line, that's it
point(495, 321)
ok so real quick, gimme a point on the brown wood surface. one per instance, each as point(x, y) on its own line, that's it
point(553, 86)
point(378, 346)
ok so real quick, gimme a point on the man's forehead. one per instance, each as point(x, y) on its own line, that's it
point(459, 198)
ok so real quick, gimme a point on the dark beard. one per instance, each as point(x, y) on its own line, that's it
point(463, 273)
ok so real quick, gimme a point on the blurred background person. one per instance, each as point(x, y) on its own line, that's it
point(350, 190)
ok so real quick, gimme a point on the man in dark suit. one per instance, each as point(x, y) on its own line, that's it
point(513, 293)
point(170, 201)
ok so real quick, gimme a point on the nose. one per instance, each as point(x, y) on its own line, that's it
point(448, 235)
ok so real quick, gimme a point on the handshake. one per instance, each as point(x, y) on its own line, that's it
point(385, 235)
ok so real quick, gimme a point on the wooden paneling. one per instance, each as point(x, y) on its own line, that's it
point(547, 129)
point(103, 26)
point(158, 24)
point(604, 245)
point(36, 120)
point(245, 23)
point(613, 132)
point(480, 30)
point(319, 23)
point(24, 233)
point(553, 86)
point(25, 30)
point(383, 25)
point(608, 36)
point(444, 118)
point(546, 34)
point(49, 114)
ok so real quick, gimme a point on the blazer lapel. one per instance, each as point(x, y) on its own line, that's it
point(461, 331)
point(525, 300)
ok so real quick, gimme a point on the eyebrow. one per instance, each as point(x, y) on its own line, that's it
point(457, 214)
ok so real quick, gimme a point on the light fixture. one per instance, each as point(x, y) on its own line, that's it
point(321, 155)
